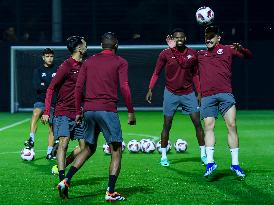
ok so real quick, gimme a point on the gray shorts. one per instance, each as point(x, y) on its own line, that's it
point(189, 103)
point(101, 121)
point(212, 105)
point(41, 106)
point(64, 126)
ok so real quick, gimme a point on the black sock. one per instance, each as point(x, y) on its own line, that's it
point(70, 173)
point(111, 183)
point(61, 175)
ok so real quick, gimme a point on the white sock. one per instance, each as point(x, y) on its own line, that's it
point(209, 154)
point(234, 156)
point(163, 149)
point(32, 136)
point(49, 149)
point(203, 151)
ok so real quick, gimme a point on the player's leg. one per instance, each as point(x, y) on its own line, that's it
point(50, 155)
point(190, 106)
point(109, 124)
point(36, 114)
point(209, 112)
point(170, 104)
point(233, 140)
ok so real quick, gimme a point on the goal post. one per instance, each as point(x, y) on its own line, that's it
point(141, 59)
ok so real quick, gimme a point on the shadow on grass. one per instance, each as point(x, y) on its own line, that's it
point(88, 181)
point(187, 159)
point(127, 191)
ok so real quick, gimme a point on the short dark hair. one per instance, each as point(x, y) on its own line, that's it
point(73, 42)
point(212, 29)
point(47, 51)
point(109, 40)
point(179, 30)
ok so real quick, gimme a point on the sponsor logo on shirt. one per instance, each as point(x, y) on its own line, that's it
point(53, 74)
point(220, 51)
point(172, 57)
point(44, 74)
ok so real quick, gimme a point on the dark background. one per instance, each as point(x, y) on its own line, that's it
point(247, 22)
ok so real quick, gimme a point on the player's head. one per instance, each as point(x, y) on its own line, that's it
point(179, 36)
point(48, 56)
point(212, 36)
point(77, 44)
point(109, 41)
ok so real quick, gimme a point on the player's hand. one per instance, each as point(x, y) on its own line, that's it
point(131, 119)
point(78, 119)
point(237, 46)
point(170, 41)
point(45, 119)
point(149, 96)
point(199, 97)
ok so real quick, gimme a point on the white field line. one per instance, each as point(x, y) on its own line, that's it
point(14, 124)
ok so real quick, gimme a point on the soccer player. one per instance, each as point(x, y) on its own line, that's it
point(100, 76)
point(215, 77)
point(180, 63)
point(42, 77)
point(65, 112)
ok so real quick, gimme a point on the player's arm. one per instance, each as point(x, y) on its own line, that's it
point(239, 51)
point(79, 92)
point(196, 81)
point(161, 61)
point(125, 91)
point(60, 75)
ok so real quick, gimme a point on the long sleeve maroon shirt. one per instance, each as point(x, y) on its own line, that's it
point(181, 70)
point(64, 84)
point(215, 68)
point(101, 74)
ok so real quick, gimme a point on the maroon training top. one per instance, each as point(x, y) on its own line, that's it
point(101, 74)
point(64, 84)
point(215, 68)
point(180, 70)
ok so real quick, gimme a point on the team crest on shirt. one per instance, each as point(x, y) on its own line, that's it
point(189, 56)
point(53, 74)
point(44, 74)
point(220, 51)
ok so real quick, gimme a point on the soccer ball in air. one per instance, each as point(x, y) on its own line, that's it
point(204, 16)
point(27, 154)
point(180, 145)
point(134, 146)
point(148, 146)
point(158, 146)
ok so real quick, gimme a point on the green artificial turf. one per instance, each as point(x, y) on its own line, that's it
point(142, 179)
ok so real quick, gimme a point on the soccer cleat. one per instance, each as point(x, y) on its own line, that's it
point(237, 169)
point(29, 143)
point(164, 162)
point(50, 157)
point(204, 160)
point(63, 189)
point(210, 167)
point(54, 170)
point(115, 196)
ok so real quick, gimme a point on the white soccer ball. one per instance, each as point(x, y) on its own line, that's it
point(123, 146)
point(204, 16)
point(148, 146)
point(180, 145)
point(142, 141)
point(158, 146)
point(27, 154)
point(106, 149)
point(134, 146)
